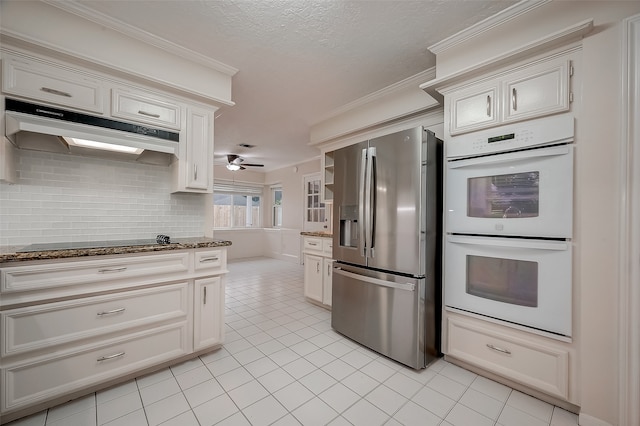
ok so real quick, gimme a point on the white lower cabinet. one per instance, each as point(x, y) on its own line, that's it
point(313, 286)
point(318, 269)
point(75, 333)
point(42, 378)
point(533, 361)
point(327, 280)
point(209, 317)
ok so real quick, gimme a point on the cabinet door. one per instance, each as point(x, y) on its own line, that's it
point(313, 277)
point(143, 108)
point(195, 168)
point(327, 278)
point(52, 84)
point(473, 109)
point(208, 324)
point(540, 90)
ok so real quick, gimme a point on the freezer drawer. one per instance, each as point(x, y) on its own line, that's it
point(386, 313)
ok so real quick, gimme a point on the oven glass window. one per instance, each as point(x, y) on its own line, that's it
point(503, 280)
point(504, 196)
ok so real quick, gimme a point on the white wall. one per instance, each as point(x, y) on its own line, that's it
point(60, 197)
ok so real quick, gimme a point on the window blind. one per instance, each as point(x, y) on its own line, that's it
point(221, 186)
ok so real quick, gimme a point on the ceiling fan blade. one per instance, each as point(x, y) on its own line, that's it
point(253, 165)
point(233, 158)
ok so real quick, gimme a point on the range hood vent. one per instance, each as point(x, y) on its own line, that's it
point(23, 117)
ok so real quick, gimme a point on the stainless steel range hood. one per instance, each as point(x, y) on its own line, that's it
point(23, 120)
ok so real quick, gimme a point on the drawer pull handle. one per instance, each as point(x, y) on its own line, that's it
point(56, 92)
point(111, 312)
point(148, 114)
point(488, 106)
point(112, 270)
point(514, 99)
point(313, 244)
point(108, 357)
point(205, 296)
point(195, 172)
point(209, 259)
point(495, 348)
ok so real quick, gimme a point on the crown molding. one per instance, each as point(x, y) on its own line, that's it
point(410, 82)
point(82, 11)
point(487, 24)
point(543, 44)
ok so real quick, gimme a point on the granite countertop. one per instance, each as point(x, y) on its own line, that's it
point(317, 234)
point(16, 253)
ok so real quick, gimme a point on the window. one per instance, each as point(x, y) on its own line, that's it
point(276, 199)
point(236, 206)
point(314, 210)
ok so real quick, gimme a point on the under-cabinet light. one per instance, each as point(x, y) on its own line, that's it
point(102, 145)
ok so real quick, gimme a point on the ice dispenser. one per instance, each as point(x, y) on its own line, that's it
point(349, 226)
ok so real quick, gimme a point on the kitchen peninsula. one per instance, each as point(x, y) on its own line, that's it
point(76, 320)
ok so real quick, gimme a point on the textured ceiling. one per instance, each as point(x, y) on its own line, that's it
point(299, 60)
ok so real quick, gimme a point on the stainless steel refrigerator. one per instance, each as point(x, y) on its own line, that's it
point(387, 245)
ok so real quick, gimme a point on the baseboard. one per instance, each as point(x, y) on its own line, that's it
point(587, 420)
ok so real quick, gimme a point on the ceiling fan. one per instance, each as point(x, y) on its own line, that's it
point(235, 162)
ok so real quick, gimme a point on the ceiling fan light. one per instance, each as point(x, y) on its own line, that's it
point(233, 167)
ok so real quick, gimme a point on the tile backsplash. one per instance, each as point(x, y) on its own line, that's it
point(60, 198)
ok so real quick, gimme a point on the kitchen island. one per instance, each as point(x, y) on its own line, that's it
point(76, 320)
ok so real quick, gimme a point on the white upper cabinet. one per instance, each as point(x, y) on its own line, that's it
point(529, 91)
point(145, 108)
point(475, 108)
point(57, 84)
point(53, 84)
point(536, 91)
point(193, 171)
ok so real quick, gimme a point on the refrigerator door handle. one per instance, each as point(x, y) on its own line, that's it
point(361, 203)
point(371, 200)
point(376, 281)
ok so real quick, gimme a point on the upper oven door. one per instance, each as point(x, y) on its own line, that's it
point(525, 193)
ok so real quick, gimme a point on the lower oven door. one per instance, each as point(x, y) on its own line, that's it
point(521, 281)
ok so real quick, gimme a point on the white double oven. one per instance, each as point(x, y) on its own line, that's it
point(509, 222)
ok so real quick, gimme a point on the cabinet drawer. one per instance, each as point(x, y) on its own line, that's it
point(145, 109)
point(43, 379)
point(327, 247)
point(51, 84)
point(544, 367)
point(313, 245)
point(210, 260)
point(51, 275)
point(43, 326)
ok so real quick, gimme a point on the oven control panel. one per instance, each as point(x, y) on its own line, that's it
point(540, 132)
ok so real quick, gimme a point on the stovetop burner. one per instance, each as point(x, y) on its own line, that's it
point(86, 245)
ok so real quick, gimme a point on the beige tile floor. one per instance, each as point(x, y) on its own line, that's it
point(282, 364)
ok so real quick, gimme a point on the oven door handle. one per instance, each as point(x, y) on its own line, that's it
point(509, 242)
point(511, 156)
